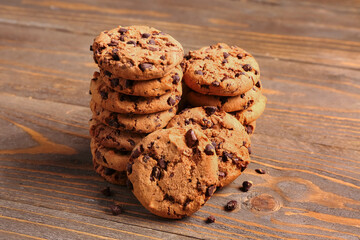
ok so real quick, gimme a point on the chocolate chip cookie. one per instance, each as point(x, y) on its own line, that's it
point(121, 103)
point(110, 175)
point(114, 138)
point(129, 122)
point(250, 128)
point(173, 171)
point(253, 112)
point(137, 52)
point(228, 104)
point(228, 138)
point(108, 157)
point(148, 88)
point(221, 70)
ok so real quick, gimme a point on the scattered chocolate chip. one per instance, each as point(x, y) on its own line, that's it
point(152, 42)
point(240, 56)
point(171, 101)
point(162, 163)
point(246, 186)
point(136, 153)
point(155, 173)
point(260, 171)
point(209, 149)
point(210, 190)
point(144, 66)
point(226, 55)
point(226, 156)
point(107, 73)
point(129, 184)
point(223, 100)
point(191, 139)
point(249, 129)
point(132, 142)
point(113, 43)
point(129, 167)
point(109, 171)
point(145, 35)
point(242, 95)
point(199, 72)
point(122, 30)
point(114, 82)
point(146, 158)
point(256, 72)
point(91, 48)
point(122, 38)
point(116, 209)
point(258, 84)
point(210, 110)
point(231, 205)
point(239, 74)
point(115, 57)
point(210, 219)
point(104, 95)
point(154, 49)
point(247, 67)
point(90, 92)
point(215, 83)
point(106, 192)
point(176, 79)
point(224, 61)
point(131, 42)
point(171, 174)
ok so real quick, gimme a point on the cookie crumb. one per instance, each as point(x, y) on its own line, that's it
point(210, 219)
point(246, 186)
point(107, 192)
point(260, 171)
point(231, 205)
point(116, 209)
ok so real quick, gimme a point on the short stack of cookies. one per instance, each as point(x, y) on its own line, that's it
point(135, 92)
point(228, 78)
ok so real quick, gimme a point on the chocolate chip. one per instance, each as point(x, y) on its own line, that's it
point(171, 101)
point(115, 57)
point(176, 79)
point(256, 72)
point(132, 143)
point(210, 110)
point(162, 57)
point(221, 174)
point(90, 92)
point(247, 67)
point(249, 129)
point(91, 48)
point(226, 156)
point(155, 173)
point(152, 42)
point(239, 74)
point(104, 95)
point(116, 209)
point(122, 30)
point(246, 186)
point(129, 184)
point(129, 167)
point(144, 66)
point(242, 95)
point(215, 83)
point(106, 192)
point(240, 56)
point(260, 171)
point(224, 61)
point(154, 49)
point(131, 42)
point(162, 163)
point(226, 55)
point(210, 219)
point(213, 143)
point(145, 35)
point(113, 43)
point(146, 158)
point(258, 84)
point(136, 153)
point(199, 72)
point(122, 38)
point(223, 100)
point(114, 82)
point(231, 205)
point(107, 73)
point(249, 150)
point(209, 149)
point(210, 190)
point(191, 139)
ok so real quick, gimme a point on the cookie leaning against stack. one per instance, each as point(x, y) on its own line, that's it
point(135, 92)
point(228, 78)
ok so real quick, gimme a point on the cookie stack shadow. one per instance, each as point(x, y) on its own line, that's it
point(228, 78)
point(135, 92)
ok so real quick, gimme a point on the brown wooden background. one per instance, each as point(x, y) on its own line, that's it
point(308, 139)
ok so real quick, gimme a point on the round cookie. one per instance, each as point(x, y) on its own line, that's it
point(114, 138)
point(110, 175)
point(110, 158)
point(227, 104)
point(221, 70)
point(253, 112)
point(121, 103)
point(173, 171)
point(137, 52)
point(129, 122)
point(250, 128)
point(227, 135)
point(148, 88)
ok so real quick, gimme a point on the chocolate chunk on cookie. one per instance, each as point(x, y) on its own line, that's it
point(132, 122)
point(122, 103)
point(221, 70)
point(125, 53)
point(228, 137)
point(170, 172)
point(253, 112)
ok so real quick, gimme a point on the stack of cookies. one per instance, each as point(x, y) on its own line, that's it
point(135, 92)
point(174, 171)
point(228, 78)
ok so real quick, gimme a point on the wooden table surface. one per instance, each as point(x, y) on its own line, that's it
point(308, 139)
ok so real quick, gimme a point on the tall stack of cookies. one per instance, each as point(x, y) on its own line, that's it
point(228, 78)
point(135, 92)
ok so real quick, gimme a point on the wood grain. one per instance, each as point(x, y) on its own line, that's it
point(308, 139)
